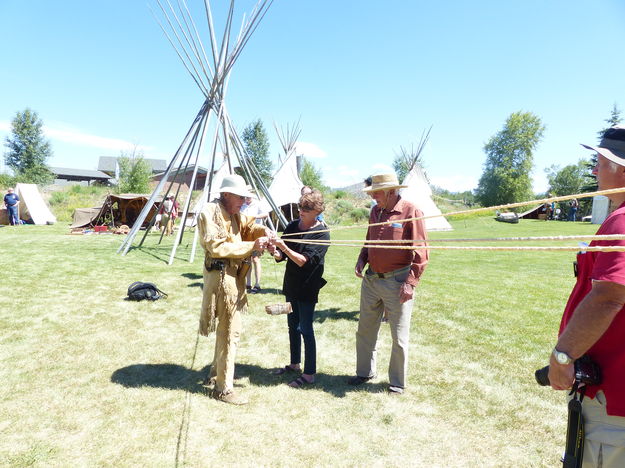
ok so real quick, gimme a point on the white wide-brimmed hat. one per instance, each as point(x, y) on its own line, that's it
point(386, 181)
point(235, 184)
point(612, 145)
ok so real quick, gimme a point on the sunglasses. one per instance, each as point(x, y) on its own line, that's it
point(304, 208)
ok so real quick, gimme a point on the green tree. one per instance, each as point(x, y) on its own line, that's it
point(404, 161)
point(311, 175)
point(591, 179)
point(134, 172)
point(28, 149)
point(257, 147)
point(567, 181)
point(509, 161)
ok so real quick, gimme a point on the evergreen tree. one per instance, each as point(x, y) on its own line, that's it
point(28, 149)
point(257, 148)
point(509, 161)
point(591, 179)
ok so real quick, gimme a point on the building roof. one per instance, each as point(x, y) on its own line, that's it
point(63, 172)
point(108, 164)
point(200, 170)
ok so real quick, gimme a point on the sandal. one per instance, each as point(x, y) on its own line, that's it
point(300, 382)
point(284, 370)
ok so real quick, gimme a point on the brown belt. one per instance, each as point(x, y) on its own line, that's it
point(388, 274)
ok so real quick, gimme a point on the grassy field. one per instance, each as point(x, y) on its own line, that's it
point(89, 379)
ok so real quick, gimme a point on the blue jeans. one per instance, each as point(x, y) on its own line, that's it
point(12, 213)
point(300, 323)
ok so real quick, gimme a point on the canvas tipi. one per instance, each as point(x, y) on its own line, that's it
point(420, 193)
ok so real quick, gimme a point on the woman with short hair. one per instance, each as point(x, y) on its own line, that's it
point(302, 282)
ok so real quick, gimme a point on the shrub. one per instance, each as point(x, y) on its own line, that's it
point(340, 194)
point(343, 207)
point(359, 214)
point(58, 198)
point(7, 181)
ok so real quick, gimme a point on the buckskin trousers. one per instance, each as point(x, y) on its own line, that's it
point(229, 327)
point(376, 295)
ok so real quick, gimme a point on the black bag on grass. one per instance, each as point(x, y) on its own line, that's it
point(139, 291)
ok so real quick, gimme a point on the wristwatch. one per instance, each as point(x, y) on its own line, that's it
point(562, 357)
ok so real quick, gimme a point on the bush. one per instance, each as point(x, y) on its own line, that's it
point(343, 207)
point(340, 194)
point(58, 198)
point(7, 181)
point(359, 214)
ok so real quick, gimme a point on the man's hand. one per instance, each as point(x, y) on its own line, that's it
point(359, 267)
point(405, 293)
point(561, 377)
point(261, 243)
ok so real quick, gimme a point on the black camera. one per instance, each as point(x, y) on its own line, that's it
point(586, 371)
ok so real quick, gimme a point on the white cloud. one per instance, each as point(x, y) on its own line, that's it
point(76, 137)
point(309, 150)
point(455, 183)
point(62, 132)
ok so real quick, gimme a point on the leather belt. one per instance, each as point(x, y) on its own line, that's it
point(388, 274)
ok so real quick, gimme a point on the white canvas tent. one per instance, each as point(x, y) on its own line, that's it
point(32, 207)
point(286, 186)
point(420, 193)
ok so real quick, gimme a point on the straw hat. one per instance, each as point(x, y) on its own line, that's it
point(384, 182)
point(234, 184)
point(612, 145)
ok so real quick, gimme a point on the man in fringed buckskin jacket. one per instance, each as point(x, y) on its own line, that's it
point(228, 238)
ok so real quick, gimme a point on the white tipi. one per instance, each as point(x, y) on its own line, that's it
point(420, 193)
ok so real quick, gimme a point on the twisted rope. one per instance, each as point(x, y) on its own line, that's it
point(479, 210)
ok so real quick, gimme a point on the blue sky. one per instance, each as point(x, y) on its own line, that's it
point(364, 77)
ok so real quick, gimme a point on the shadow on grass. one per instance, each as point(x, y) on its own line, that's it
point(192, 276)
point(334, 314)
point(267, 291)
point(177, 377)
point(168, 376)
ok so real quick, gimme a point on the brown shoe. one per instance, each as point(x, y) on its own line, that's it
point(229, 397)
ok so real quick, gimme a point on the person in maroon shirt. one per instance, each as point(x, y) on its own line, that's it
point(593, 322)
point(389, 282)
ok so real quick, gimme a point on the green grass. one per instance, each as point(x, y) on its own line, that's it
point(92, 380)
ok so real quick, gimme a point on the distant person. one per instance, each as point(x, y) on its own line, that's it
point(303, 278)
point(389, 282)
point(593, 322)
point(368, 182)
point(252, 209)
point(11, 202)
point(168, 215)
point(573, 206)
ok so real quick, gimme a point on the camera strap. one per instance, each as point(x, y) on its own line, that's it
point(574, 450)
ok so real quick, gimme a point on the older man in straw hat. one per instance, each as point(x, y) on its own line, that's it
point(228, 237)
point(593, 322)
point(389, 282)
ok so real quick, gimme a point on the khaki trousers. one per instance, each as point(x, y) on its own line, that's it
point(604, 444)
point(376, 296)
point(228, 332)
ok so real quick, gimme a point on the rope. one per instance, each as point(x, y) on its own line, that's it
point(607, 248)
point(479, 210)
point(486, 239)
